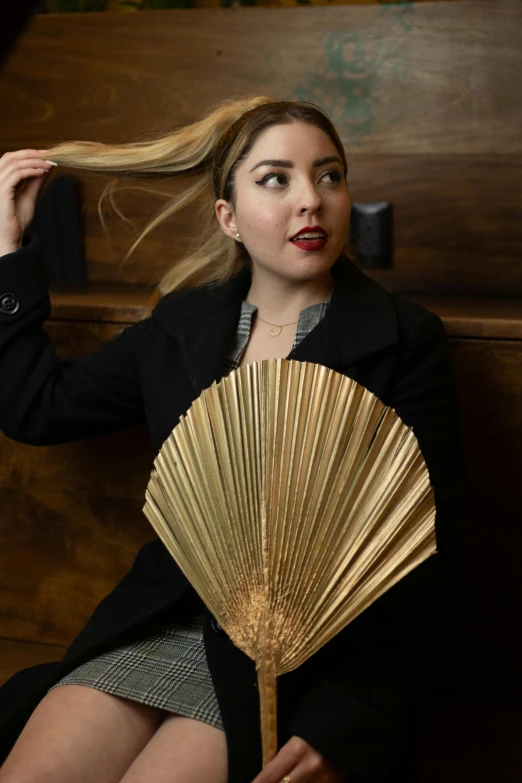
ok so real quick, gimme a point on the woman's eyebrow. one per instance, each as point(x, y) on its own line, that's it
point(287, 164)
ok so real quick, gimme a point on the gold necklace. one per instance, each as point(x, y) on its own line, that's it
point(279, 327)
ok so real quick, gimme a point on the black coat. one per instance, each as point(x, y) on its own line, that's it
point(355, 700)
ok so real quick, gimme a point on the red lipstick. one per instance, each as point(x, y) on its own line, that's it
point(311, 243)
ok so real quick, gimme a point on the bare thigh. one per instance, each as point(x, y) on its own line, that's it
point(183, 750)
point(81, 734)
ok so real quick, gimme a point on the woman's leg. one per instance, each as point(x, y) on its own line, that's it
point(183, 750)
point(80, 734)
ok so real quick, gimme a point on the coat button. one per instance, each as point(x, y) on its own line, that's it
point(216, 626)
point(9, 304)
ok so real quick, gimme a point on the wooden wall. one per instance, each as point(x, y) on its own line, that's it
point(426, 99)
point(126, 6)
point(424, 95)
point(72, 521)
point(72, 518)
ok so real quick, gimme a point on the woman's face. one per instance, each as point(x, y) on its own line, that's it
point(292, 179)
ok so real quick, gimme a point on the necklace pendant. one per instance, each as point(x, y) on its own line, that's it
point(275, 332)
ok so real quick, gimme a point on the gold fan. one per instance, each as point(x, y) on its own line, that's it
point(291, 498)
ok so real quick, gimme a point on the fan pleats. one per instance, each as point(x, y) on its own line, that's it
point(291, 498)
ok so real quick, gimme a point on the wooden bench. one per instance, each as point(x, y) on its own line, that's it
point(438, 136)
point(72, 522)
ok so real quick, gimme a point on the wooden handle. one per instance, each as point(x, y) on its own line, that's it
point(267, 682)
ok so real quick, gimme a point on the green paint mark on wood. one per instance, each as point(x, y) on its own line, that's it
point(356, 74)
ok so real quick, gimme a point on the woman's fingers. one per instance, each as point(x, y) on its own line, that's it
point(298, 760)
point(16, 156)
point(16, 170)
point(282, 764)
point(21, 176)
point(21, 154)
point(301, 763)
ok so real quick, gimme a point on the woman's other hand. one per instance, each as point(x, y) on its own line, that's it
point(21, 175)
point(298, 762)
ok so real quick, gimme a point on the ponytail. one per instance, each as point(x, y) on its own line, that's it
point(190, 151)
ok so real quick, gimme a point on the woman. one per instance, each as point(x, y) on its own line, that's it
point(268, 279)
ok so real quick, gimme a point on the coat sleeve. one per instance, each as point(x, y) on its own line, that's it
point(367, 682)
point(44, 400)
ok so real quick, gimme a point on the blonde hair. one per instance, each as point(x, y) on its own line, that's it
point(211, 148)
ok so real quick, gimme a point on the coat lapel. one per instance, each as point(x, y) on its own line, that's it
point(203, 321)
point(359, 322)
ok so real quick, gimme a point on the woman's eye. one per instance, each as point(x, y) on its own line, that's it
point(333, 174)
point(276, 175)
point(280, 179)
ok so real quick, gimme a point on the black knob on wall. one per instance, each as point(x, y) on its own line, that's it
point(372, 234)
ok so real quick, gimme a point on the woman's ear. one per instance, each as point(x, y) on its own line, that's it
point(225, 215)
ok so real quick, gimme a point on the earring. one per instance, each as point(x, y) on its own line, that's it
point(237, 235)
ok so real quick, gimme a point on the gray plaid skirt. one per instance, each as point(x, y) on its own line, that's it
point(167, 669)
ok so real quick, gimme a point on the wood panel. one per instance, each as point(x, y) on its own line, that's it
point(120, 5)
point(457, 220)
point(72, 519)
point(60, 554)
point(68, 501)
point(15, 655)
point(463, 316)
point(398, 78)
point(114, 304)
point(72, 516)
point(489, 378)
point(476, 317)
point(115, 466)
point(424, 96)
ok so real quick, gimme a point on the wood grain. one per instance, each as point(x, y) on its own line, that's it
point(424, 96)
point(98, 316)
point(112, 466)
point(71, 519)
point(489, 376)
point(457, 221)
point(489, 380)
point(60, 554)
point(476, 317)
point(66, 491)
point(425, 99)
point(433, 86)
point(99, 305)
point(16, 655)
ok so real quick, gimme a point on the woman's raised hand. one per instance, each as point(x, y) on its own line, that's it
point(21, 175)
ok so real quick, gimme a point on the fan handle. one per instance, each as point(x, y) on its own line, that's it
point(267, 683)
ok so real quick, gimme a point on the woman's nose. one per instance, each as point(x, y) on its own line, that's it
point(310, 200)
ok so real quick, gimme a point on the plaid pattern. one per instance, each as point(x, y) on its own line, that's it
point(169, 669)
point(308, 318)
